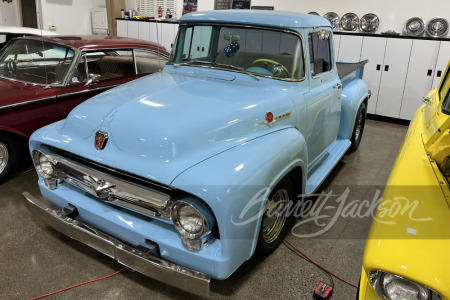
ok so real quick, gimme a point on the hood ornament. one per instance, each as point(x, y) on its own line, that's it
point(101, 138)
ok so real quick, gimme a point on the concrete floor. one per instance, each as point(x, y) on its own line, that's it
point(35, 259)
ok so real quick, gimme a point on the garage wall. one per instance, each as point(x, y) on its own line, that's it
point(69, 16)
point(8, 14)
point(392, 14)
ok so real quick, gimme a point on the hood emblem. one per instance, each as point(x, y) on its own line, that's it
point(270, 119)
point(101, 138)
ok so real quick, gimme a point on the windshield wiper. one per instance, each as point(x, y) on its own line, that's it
point(218, 64)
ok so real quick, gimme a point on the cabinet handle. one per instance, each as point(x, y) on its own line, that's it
point(203, 49)
point(430, 72)
point(198, 48)
point(439, 74)
point(378, 67)
point(386, 68)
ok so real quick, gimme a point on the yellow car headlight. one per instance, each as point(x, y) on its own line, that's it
point(394, 287)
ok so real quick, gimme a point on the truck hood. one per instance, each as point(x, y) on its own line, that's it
point(162, 124)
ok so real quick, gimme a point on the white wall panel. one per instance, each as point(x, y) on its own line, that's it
point(350, 48)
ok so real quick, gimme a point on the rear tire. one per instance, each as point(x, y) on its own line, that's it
point(275, 224)
point(358, 128)
point(8, 156)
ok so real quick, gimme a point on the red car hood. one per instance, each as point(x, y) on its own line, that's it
point(12, 92)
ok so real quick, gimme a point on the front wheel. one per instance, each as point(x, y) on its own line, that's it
point(358, 129)
point(8, 156)
point(275, 221)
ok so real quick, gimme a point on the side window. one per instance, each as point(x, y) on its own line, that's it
point(111, 64)
point(319, 54)
point(148, 62)
point(79, 74)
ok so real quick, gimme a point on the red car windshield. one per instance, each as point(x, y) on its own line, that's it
point(35, 61)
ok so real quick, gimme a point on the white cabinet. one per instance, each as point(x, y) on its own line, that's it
point(420, 75)
point(396, 60)
point(336, 43)
point(442, 62)
point(200, 41)
point(144, 31)
point(350, 48)
point(168, 34)
point(133, 29)
point(122, 28)
point(373, 49)
point(154, 33)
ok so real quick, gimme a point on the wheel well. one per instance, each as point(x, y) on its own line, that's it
point(20, 141)
point(296, 177)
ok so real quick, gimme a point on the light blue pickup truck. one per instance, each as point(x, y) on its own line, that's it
point(177, 174)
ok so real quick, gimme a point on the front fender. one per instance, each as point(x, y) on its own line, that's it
point(353, 94)
point(235, 183)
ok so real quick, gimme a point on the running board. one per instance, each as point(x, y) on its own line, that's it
point(335, 152)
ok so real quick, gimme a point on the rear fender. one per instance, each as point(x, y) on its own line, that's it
point(235, 183)
point(353, 94)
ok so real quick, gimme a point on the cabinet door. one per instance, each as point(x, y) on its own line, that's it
point(419, 77)
point(350, 48)
point(167, 35)
point(144, 31)
point(122, 28)
point(336, 42)
point(154, 33)
point(133, 29)
point(373, 49)
point(393, 78)
point(442, 62)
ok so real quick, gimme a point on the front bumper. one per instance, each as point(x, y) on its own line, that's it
point(181, 277)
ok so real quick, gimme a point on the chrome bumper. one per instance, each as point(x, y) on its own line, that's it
point(154, 267)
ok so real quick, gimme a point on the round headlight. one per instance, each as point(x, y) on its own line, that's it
point(43, 165)
point(188, 220)
point(399, 288)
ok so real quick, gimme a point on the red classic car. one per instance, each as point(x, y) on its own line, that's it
point(43, 78)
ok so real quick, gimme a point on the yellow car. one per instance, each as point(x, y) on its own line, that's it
point(407, 253)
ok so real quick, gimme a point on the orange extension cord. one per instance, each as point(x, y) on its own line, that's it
point(314, 263)
point(76, 285)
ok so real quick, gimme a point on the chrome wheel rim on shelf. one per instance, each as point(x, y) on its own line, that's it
point(313, 13)
point(369, 23)
point(333, 18)
point(349, 22)
point(414, 26)
point(437, 27)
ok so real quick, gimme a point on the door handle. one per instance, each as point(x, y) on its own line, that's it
point(429, 72)
point(338, 86)
point(378, 67)
point(439, 74)
point(427, 100)
point(386, 68)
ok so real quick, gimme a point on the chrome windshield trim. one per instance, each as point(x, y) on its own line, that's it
point(111, 189)
point(162, 270)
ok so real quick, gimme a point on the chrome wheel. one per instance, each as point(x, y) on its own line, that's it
point(275, 216)
point(3, 157)
point(359, 123)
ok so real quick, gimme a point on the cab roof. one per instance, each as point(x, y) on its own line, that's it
point(265, 18)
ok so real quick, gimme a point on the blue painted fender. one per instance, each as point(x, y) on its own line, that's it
point(353, 94)
point(235, 183)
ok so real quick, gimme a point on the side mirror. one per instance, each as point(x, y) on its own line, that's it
point(93, 78)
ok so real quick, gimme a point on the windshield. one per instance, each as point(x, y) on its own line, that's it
point(260, 51)
point(35, 61)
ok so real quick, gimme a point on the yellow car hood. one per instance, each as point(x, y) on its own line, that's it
point(410, 235)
